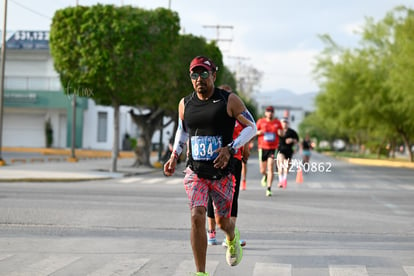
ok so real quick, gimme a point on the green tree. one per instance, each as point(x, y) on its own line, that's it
point(362, 94)
point(121, 53)
point(401, 75)
point(389, 44)
point(179, 85)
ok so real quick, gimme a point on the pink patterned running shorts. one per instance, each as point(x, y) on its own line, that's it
point(221, 192)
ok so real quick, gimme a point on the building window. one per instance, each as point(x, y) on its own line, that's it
point(102, 126)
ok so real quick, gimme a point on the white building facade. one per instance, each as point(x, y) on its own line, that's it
point(34, 98)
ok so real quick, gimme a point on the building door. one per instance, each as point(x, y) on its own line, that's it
point(24, 130)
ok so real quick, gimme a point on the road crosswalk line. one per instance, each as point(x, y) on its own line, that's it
point(314, 185)
point(153, 181)
point(347, 270)
point(336, 185)
point(120, 266)
point(5, 256)
point(409, 270)
point(46, 266)
point(188, 266)
point(406, 187)
point(174, 181)
point(310, 185)
point(272, 269)
point(131, 179)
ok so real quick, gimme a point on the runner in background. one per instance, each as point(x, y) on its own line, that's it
point(245, 157)
point(268, 132)
point(306, 147)
point(288, 139)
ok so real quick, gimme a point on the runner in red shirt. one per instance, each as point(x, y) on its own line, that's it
point(268, 131)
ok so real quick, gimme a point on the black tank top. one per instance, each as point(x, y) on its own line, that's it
point(210, 127)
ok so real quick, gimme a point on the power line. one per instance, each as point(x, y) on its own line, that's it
point(218, 27)
point(30, 9)
point(238, 58)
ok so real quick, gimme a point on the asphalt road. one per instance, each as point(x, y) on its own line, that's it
point(342, 220)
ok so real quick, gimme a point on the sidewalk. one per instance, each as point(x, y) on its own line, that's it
point(87, 169)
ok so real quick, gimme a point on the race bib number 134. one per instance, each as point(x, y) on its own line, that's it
point(203, 148)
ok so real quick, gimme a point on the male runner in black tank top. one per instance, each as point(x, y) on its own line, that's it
point(206, 121)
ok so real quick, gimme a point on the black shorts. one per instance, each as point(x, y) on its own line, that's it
point(265, 154)
point(287, 154)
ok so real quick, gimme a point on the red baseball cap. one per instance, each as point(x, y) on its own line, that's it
point(270, 108)
point(201, 61)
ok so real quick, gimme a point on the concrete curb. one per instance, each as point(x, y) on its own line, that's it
point(75, 179)
point(85, 153)
point(29, 179)
point(379, 163)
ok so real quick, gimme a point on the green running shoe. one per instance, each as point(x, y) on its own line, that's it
point(264, 181)
point(268, 193)
point(234, 252)
point(201, 274)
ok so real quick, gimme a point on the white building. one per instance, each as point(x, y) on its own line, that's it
point(33, 96)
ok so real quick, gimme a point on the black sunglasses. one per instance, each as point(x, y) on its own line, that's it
point(203, 75)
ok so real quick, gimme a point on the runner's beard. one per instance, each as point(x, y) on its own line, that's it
point(202, 89)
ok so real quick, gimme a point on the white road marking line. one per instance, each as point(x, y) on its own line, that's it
point(46, 266)
point(272, 269)
point(131, 179)
point(174, 181)
point(406, 186)
point(154, 181)
point(409, 270)
point(337, 185)
point(388, 187)
point(120, 266)
point(186, 267)
point(3, 257)
point(348, 270)
point(314, 185)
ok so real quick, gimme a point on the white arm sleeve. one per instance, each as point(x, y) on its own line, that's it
point(181, 137)
point(247, 133)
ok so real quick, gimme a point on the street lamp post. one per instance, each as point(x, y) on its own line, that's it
point(3, 62)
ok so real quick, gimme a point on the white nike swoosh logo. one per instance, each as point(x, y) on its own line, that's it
point(216, 101)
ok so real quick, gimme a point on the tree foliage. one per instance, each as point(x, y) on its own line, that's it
point(367, 93)
point(121, 53)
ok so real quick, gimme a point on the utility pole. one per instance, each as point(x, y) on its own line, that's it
point(3, 63)
point(239, 75)
point(238, 58)
point(218, 28)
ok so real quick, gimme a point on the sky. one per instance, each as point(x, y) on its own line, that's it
point(278, 38)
